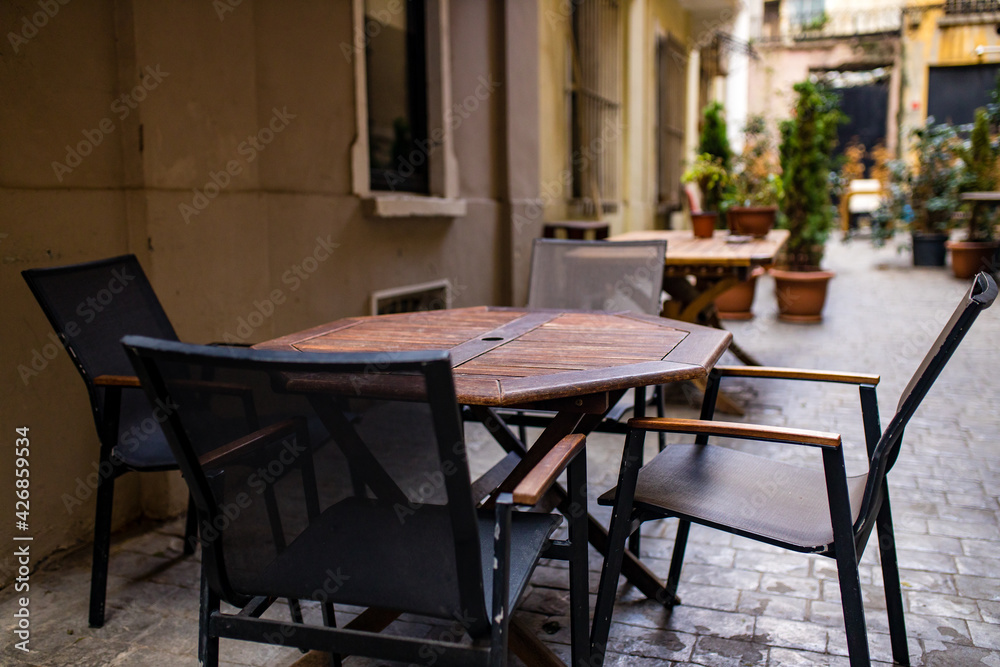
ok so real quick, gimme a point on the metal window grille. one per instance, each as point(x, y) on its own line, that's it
point(595, 103)
point(671, 71)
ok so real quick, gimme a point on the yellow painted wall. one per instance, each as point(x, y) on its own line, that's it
point(643, 20)
point(928, 43)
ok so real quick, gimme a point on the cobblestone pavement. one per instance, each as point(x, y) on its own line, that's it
point(743, 603)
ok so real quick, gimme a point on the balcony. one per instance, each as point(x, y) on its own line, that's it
point(828, 25)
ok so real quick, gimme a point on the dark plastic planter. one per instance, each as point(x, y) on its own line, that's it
point(928, 248)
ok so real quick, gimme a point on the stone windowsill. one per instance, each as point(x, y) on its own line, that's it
point(413, 206)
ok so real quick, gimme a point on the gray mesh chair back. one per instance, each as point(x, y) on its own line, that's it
point(597, 275)
point(345, 482)
point(91, 306)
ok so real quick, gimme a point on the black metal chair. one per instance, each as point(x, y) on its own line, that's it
point(353, 488)
point(801, 509)
point(91, 306)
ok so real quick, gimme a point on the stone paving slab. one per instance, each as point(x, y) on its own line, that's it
point(743, 603)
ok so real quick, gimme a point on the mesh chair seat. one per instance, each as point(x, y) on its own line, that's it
point(416, 538)
point(749, 494)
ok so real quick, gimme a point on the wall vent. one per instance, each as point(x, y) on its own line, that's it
point(435, 295)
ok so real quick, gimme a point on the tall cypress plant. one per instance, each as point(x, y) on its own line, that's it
point(807, 143)
point(713, 146)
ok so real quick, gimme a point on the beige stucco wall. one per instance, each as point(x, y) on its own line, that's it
point(215, 81)
point(782, 66)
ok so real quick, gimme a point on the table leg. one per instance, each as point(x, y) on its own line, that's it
point(633, 569)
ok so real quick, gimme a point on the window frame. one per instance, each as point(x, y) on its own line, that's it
point(443, 200)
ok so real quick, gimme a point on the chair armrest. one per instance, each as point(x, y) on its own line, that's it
point(735, 430)
point(222, 455)
point(797, 374)
point(534, 485)
point(116, 381)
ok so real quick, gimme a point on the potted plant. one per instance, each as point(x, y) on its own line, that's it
point(807, 142)
point(710, 169)
point(979, 174)
point(751, 208)
point(754, 183)
point(894, 209)
point(933, 190)
point(707, 171)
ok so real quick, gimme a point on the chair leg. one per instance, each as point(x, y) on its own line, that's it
point(847, 557)
point(190, 527)
point(621, 517)
point(659, 395)
point(208, 646)
point(890, 579)
point(330, 621)
point(579, 586)
point(635, 542)
point(102, 548)
point(500, 614)
point(296, 611)
point(676, 563)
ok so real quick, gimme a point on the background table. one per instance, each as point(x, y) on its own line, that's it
point(717, 265)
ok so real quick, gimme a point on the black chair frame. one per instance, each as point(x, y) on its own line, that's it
point(363, 638)
point(850, 536)
point(105, 393)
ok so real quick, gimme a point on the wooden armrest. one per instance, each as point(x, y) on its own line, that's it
point(796, 374)
point(534, 485)
point(736, 430)
point(117, 381)
point(220, 455)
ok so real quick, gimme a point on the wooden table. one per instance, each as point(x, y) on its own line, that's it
point(717, 263)
point(578, 363)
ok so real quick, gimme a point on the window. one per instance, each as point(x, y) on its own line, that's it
point(671, 98)
point(402, 161)
point(397, 101)
point(807, 14)
point(595, 108)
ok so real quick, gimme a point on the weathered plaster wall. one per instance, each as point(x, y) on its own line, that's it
point(277, 71)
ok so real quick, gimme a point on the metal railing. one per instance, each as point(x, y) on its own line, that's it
point(971, 6)
point(832, 24)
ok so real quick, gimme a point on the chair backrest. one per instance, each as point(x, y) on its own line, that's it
point(350, 463)
point(979, 297)
point(92, 305)
point(597, 275)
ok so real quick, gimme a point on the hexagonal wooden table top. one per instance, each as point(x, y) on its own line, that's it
point(508, 356)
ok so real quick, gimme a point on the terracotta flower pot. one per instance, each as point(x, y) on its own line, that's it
point(801, 294)
point(751, 220)
point(703, 223)
point(970, 257)
point(735, 303)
